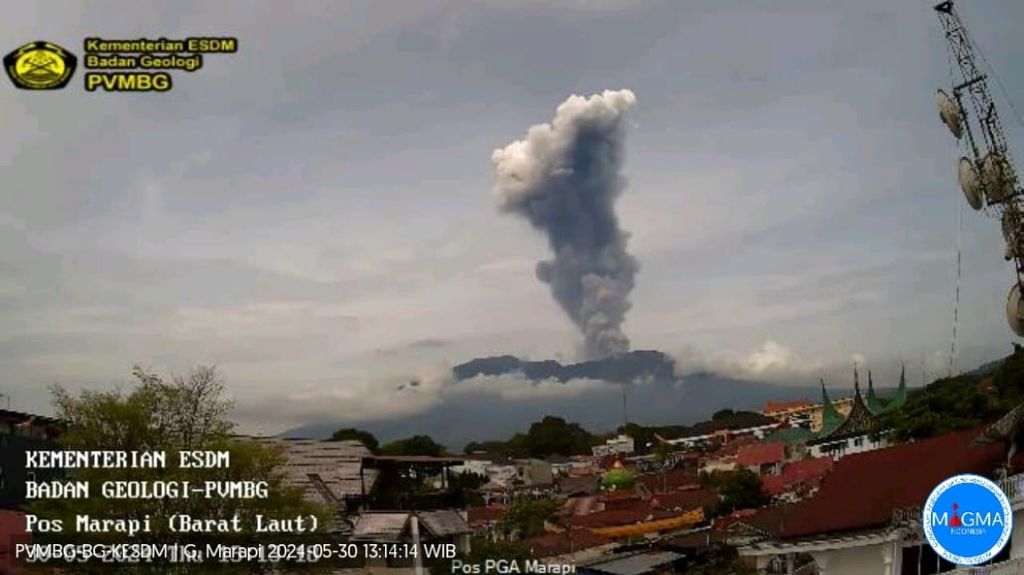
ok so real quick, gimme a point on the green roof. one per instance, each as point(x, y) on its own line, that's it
point(874, 403)
point(830, 416)
point(878, 404)
point(789, 435)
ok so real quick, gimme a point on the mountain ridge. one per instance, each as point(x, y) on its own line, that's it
point(656, 395)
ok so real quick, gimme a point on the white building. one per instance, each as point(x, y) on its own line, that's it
point(864, 519)
point(620, 445)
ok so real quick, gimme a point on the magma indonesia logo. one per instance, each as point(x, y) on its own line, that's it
point(967, 520)
point(40, 66)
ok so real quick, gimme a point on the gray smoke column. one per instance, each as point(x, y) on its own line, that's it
point(564, 178)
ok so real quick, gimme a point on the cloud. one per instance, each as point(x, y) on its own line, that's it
point(518, 387)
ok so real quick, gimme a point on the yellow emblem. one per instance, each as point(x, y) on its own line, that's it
point(40, 66)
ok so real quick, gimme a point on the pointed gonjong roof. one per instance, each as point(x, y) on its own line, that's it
point(877, 405)
point(859, 421)
point(830, 416)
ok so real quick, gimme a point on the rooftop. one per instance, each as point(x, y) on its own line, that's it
point(636, 564)
point(554, 544)
point(315, 465)
point(807, 472)
point(864, 489)
point(759, 454)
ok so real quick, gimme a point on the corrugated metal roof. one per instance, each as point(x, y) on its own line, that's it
point(333, 464)
point(380, 526)
point(444, 523)
point(636, 564)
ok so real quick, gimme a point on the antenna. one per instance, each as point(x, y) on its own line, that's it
point(625, 414)
point(989, 174)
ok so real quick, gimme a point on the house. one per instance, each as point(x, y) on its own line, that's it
point(583, 486)
point(619, 445)
point(864, 517)
point(532, 472)
point(762, 458)
point(484, 520)
point(674, 480)
point(799, 413)
point(440, 526)
point(644, 562)
point(19, 433)
point(797, 480)
point(475, 463)
point(328, 472)
point(570, 546)
point(560, 465)
point(855, 433)
point(723, 428)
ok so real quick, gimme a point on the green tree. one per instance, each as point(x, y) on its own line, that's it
point(364, 437)
point(415, 445)
point(184, 413)
point(737, 489)
point(525, 518)
point(554, 435)
point(945, 405)
point(723, 414)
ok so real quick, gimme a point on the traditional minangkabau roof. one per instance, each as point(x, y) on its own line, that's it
point(859, 421)
point(830, 416)
point(878, 405)
point(875, 405)
point(790, 435)
point(900, 398)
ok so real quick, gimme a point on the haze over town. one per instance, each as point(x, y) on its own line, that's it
point(316, 214)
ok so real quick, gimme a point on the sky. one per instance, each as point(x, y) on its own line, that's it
point(317, 215)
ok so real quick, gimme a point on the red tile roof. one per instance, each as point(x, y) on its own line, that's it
point(805, 473)
point(684, 500)
point(615, 517)
point(669, 481)
point(767, 519)
point(479, 515)
point(863, 489)
point(552, 544)
point(761, 453)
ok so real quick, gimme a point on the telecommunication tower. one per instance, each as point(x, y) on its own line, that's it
point(986, 173)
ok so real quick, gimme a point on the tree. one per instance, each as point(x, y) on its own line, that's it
point(554, 435)
point(415, 445)
point(737, 489)
point(722, 414)
point(185, 413)
point(525, 518)
point(945, 405)
point(364, 437)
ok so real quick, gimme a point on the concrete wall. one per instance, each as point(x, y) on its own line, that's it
point(877, 559)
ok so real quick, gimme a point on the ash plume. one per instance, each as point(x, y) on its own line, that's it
point(564, 178)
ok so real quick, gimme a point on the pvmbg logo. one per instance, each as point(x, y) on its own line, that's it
point(967, 520)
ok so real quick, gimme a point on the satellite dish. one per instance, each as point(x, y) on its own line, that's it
point(970, 183)
point(1014, 311)
point(995, 177)
point(949, 113)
